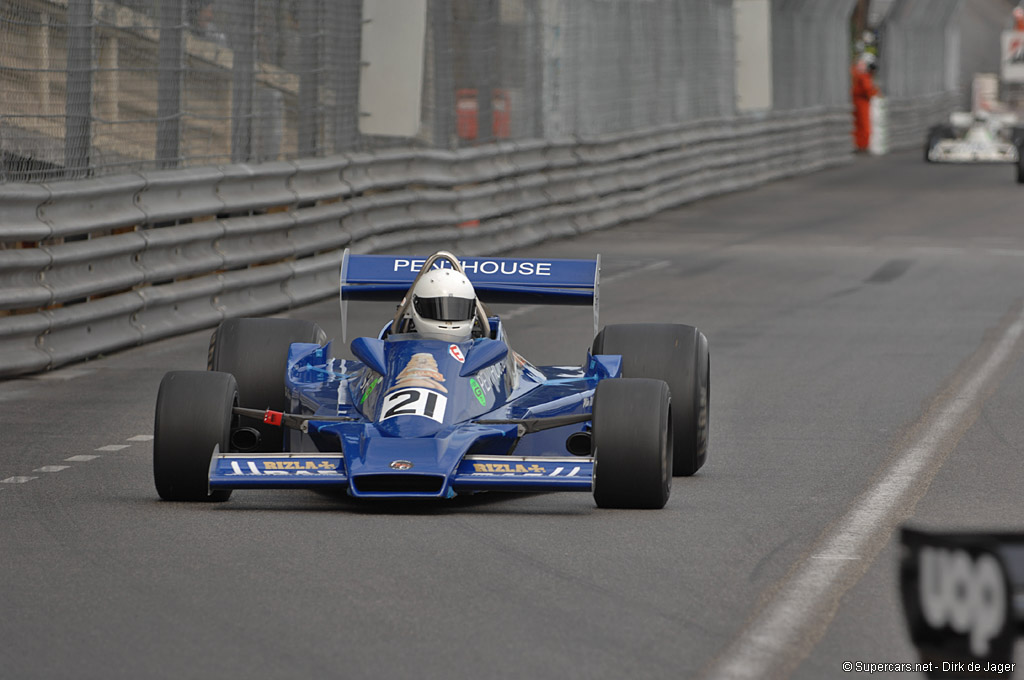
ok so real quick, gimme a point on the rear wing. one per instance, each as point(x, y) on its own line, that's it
point(497, 280)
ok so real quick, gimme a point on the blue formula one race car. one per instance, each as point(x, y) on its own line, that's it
point(455, 410)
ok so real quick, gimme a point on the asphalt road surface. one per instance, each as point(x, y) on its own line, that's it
point(865, 329)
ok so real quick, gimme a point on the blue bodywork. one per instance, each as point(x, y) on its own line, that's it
point(416, 418)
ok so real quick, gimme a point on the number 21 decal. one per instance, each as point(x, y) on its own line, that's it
point(414, 401)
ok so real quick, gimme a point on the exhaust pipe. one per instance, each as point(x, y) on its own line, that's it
point(578, 443)
point(245, 439)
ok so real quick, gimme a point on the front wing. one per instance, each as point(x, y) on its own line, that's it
point(962, 151)
point(474, 473)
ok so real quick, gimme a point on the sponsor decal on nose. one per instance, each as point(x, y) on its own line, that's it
point(478, 392)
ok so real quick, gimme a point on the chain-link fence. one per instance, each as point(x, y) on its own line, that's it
point(810, 53)
point(97, 87)
point(100, 87)
point(631, 65)
point(919, 49)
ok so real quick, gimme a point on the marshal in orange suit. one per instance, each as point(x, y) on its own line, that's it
point(863, 86)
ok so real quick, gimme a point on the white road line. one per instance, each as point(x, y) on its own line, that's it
point(938, 250)
point(17, 480)
point(80, 459)
point(788, 626)
point(518, 311)
point(113, 447)
point(140, 438)
point(63, 374)
point(52, 468)
point(660, 264)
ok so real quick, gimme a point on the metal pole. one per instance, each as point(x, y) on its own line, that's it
point(485, 39)
point(441, 19)
point(344, 56)
point(623, 109)
point(171, 69)
point(309, 80)
point(78, 98)
point(534, 48)
point(242, 41)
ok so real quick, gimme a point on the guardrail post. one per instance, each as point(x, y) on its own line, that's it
point(78, 98)
point(170, 55)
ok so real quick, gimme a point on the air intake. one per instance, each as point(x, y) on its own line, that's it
point(397, 483)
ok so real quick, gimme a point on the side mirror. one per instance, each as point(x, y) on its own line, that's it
point(483, 354)
point(371, 352)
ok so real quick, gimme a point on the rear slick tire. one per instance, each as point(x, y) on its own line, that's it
point(677, 354)
point(255, 351)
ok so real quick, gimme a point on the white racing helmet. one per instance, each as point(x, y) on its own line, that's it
point(443, 305)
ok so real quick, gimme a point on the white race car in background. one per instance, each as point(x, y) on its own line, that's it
point(980, 137)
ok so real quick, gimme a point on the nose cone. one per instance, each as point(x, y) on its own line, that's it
point(417, 399)
point(410, 468)
point(409, 426)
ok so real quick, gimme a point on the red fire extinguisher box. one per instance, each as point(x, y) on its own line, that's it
point(466, 122)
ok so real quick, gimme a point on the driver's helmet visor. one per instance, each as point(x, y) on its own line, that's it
point(444, 308)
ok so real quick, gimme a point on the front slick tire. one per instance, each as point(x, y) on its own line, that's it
point(632, 443)
point(193, 414)
point(936, 134)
